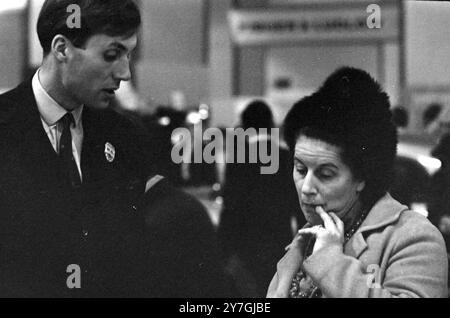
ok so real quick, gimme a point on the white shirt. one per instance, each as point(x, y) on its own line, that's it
point(51, 112)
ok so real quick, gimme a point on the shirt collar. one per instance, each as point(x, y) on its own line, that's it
point(51, 112)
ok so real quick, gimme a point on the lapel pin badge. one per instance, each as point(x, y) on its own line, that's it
point(110, 152)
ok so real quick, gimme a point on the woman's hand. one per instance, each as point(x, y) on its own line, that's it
point(332, 233)
point(287, 268)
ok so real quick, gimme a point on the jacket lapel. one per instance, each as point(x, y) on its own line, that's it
point(90, 146)
point(34, 148)
point(96, 169)
point(385, 212)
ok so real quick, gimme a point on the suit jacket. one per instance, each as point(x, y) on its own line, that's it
point(395, 253)
point(45, 226)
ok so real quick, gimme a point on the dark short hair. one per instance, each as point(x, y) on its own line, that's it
point(110, 17)
point(352, 112)
point(257, 115)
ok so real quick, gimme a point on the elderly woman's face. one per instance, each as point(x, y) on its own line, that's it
point(323, 179)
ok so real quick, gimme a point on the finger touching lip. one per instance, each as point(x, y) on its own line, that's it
point(320, 209)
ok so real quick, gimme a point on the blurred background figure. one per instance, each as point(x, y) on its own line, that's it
point(182, 246)
point(444, 123)
point(256, 220)
point(440, 190)
point(411, 184)
point(412, 181)
point(160, 126)
point(430, 118)
point(400, 117)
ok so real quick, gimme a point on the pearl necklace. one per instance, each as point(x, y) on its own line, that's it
point(354, 227)
point(313, 291)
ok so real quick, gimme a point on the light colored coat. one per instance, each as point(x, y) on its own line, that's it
point(395, 253)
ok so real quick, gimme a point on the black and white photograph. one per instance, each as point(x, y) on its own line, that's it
point(224, 153)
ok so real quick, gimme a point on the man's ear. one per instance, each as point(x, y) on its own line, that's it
point(361, 185)
point(60, 45)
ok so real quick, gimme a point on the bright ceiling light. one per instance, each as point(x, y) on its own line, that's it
point(193, 118)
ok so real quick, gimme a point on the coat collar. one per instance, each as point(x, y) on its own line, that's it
point(385, 212)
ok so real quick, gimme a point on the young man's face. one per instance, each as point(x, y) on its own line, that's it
point(93, 73)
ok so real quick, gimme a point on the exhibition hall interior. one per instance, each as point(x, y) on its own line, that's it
point(202, 68)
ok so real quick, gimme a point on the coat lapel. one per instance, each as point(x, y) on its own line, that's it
point(356, 246)
point(385, 212)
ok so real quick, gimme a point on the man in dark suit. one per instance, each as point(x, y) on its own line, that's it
point(70, 170)
point(80, 215)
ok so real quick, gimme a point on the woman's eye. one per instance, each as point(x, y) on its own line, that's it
point(326, 175)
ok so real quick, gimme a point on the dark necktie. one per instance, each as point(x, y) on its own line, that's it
point(65, 152)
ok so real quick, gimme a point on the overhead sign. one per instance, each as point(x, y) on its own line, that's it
point(263, 27)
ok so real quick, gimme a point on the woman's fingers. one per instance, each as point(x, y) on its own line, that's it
point(338, 222)
point(297, 242)
point(327, 221)
point(309, 231)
